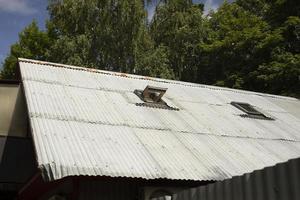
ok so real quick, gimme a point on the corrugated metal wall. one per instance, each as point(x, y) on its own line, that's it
point(280, 182)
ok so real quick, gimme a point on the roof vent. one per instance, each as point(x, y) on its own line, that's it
point(152, 96)
point(250, 111)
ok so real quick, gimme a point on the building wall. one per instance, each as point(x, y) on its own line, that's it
point(122, 189)
point(105, 188)
point(17, 162)
point(280, 182)
point(13, 115)
point(108, 190)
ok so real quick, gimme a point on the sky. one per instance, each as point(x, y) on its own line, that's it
point(15, 15)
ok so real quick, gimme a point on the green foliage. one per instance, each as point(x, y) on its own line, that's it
point(102, 34)
point(238, 42)
point(154, 62)
point(32, 43)
point(179, 26)
point(274, 12)
point(248, 44)
point(280, 75)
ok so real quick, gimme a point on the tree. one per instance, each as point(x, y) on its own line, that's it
point(280, 74)
point(248, 44)
point(32, 43)
point(178, 26)
point(100, 34)
point(238, 42)
point(274, 12)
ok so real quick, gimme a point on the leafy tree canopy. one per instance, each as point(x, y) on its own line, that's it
point(32, 43)
point(248, 44)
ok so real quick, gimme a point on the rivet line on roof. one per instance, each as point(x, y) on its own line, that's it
point(76, 86)
point(121, 91)
point(138, 77)
point(68, 119)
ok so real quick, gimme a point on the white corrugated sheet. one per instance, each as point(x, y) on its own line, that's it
point(86, 122)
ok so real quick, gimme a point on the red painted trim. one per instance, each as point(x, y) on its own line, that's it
point(37, 187)
point(30, 182)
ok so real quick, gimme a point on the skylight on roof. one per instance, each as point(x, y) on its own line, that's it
point(152, 97)
point(250, 111)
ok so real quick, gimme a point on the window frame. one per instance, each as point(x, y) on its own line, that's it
point(152, 97)
point(252, 112)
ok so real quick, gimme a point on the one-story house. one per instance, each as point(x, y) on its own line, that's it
point(97, 134)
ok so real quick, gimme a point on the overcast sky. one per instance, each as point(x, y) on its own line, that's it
point(16, 14)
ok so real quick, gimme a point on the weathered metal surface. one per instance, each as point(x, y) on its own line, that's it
point(280, 182)
point(86, 122)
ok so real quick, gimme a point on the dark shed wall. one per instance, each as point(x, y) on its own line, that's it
point(122, 189)
point(108, 190)
point(16, 162)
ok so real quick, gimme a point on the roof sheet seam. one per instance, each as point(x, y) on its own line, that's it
point(39, 116)
point(76, 86)
point(149, 153)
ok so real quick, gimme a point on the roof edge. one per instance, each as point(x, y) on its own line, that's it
point(134, 76)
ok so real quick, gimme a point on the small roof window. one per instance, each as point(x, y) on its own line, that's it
point(152, 96)
point(249, 110)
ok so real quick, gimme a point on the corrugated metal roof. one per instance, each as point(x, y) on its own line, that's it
point(85, 122)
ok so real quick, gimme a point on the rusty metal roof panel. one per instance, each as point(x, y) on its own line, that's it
point(86, 122)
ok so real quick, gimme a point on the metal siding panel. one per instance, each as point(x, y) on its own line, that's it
point(210, 192)
point(269, 180)
point(228, 190)
point(248, 187)
point(219, 191)
point(193, 194)
point(294, 178)
point(203, 192)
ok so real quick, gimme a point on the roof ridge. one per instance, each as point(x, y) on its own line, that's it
point(134, 76)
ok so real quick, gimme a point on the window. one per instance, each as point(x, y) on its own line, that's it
point(161, 194)
point(152, 97)
point(153, 94)
point(249, 110)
